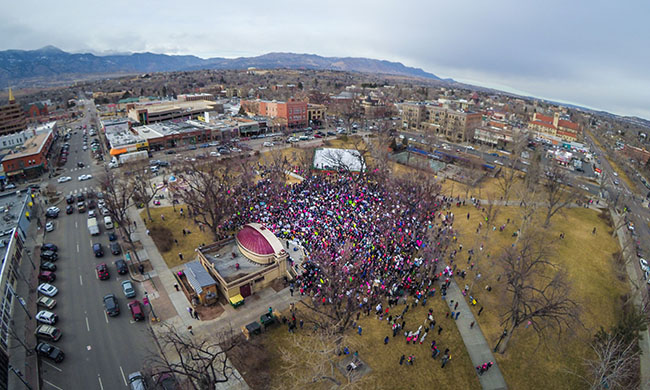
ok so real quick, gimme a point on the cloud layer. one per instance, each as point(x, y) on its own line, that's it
point(593, 53)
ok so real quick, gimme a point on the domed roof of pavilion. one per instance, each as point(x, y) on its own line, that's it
point(258, 243)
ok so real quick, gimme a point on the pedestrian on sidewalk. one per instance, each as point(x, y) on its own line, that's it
point(456, 306)
point(189, 328)
point(471, 325)
point(189, 310)
point(196, 315)
point(176, 287)
point(135, 225)
point(457, 314)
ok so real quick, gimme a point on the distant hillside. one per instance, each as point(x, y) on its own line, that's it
point(51, 62)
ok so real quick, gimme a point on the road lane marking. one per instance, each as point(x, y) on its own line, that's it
point(91, 242)
point(53, 366)
point(101, 385)
point(77, 247)
point(87, 324)
point(123, 377)
point(81, 281)
point(76, 226)
point(52, 384)
point(105, 316)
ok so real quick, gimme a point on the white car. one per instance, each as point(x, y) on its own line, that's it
point(53, 209)
point(85, 147)
point(85, 177)
point(267, 144)
point(215, 154)
point(63, 179)
point(49, 226)
point(470, 147)
point(46, 317)
point(105, 212)
point(47, 289)
point(644, 265)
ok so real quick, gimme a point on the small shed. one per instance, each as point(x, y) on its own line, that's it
point(204, 286)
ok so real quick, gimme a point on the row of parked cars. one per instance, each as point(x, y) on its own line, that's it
point(46, 318)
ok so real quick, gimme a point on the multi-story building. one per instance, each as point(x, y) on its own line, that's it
point(293, 111)
point(316, 114)
point(545, 126)
point(29, 160)
point(373, 108)
point(35, 110)
point(192, 97)
point(455, 125)
point(12, 117)
point(641, 155)
point(153, 112)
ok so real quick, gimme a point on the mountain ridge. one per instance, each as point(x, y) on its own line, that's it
point(50, 61)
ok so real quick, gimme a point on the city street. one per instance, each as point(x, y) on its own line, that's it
point(100, 351)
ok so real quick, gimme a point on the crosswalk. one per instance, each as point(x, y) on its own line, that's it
point(85, 190)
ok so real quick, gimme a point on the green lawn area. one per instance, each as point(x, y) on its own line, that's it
point(173, 221)
point(588, 261)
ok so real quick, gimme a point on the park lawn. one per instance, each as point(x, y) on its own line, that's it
point(186, 244)
point(386, 373)
point(591, 270)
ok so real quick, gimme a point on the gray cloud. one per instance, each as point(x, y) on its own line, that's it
point(586, 52)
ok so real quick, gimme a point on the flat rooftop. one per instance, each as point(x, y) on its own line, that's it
point(177, 105)
point(10, 208)
point(119, 137)
point(31, 146)
point(225, 258)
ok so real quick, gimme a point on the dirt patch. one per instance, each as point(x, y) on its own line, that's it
point(207, 313)
point(278, 285)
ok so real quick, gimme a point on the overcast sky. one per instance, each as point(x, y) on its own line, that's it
point(594, 53)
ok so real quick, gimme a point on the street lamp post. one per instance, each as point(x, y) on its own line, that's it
point(20, 376)
point(148, 301)
point(504, 334)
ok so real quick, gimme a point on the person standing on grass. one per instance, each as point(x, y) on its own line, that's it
point(401, 360)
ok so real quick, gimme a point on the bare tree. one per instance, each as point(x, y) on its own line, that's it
point(557, 195)
point(144, 188)
point(318, 365)
point(201, 361)
point(118, 195)
point(536, 292)
point(615, 365)
point(509, 173)
point(210, 190)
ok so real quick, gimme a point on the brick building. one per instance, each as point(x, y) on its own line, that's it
point(293, 111)
point(12, 117)
point(638, 154)
point(35, 110)
point(453, 124)
point(554, 126)
point(29, 160)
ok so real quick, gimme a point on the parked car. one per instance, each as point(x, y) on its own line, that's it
point(98, 250)
point(136, 310)
point(52, 212)
point(112, 236)
point(48, 266)
point(49, 256)
point(46, 302)
point(136, 381)
point(102, 271)
point(49, 351)
point(46, 317)
point(121, 266)
point(91, 214)
point(49, 247)
point(115, 248)
point(46, 276)
point(47, 289)
point(128, 289)
point(49, 227)
point(111, 306)
point(48, 332)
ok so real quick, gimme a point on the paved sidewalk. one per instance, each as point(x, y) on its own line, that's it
point(631, 268)
point(477, 347)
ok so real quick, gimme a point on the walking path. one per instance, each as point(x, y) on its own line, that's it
point(631, 268)
point(475, 343)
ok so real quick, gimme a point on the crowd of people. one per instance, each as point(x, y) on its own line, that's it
point(369, 243)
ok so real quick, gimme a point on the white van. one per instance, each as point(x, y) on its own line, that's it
point(108, 222)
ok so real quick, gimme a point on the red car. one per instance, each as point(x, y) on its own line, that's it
point(46, 276)
point(136, 310)
point(102, 271)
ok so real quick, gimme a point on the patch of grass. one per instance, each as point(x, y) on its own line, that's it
point(173, 225)
point(587, 260)
point(383, 359)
